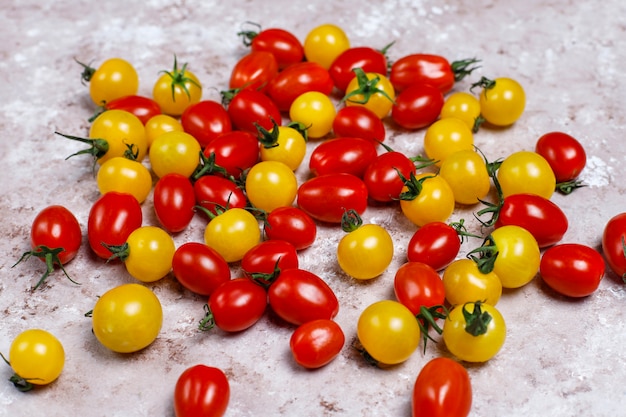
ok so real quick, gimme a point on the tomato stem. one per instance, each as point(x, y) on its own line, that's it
point(120, 252)
point(476, 321)
point(485, 83)
point(207, 166)
point(208, 321)
point(567, 187)
point(87, 73)
point(414, 186)
point(248, 35)
point(463, 68)
point(427, 318)
point(461, 230)
point(51, 257)
point(98, 148)
point(487, 254)
point(179, 79)
point(267, 138)
point(366, 88)
point(350, 221)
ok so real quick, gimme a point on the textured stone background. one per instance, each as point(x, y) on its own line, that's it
point(561, 357)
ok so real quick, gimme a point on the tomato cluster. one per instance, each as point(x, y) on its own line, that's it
point(233, 163)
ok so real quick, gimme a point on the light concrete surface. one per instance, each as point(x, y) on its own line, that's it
point(561, 357)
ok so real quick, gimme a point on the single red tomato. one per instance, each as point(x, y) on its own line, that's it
point(360, 122)
point(247, 108)
point(572, 269)
point(174, 201)
point(296, 80)
point(144, 108)
point(316, 343)
point(364, 57)
point(214, 191)
point(327, 197)
point(291, 224)
point(112, 218)
point(199, 268)
point(201, 391)
point(417, 106)
point(349, 155)
point(430, 69)
point(442, 389)
point(614, 244)
point(234, 151)
point(284, 45)
point(253, 71)
point(205, 121)
point(436, 244)
point(564, 153)
point(418, 285)
point(382, 176)
point(298, 296)
point(236, 305)
point(268, 255)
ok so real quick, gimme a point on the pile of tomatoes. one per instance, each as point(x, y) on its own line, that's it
point(234, 162)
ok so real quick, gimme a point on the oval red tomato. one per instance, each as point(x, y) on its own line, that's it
point(349, 155)
point(235, 151)
point(364, 57)
point(296, 80)
point(565, 155)
point(205, 121)
point(436, 244)
point(199, 268)
point(382, 177)
point(248, 108)
point(359, 122)
point(142, 107)
point(284, 45)
point(253, 71)
point(174, 201)
point(327, 197)
point(268, 255)
point(316, 343)
point(614, 244)
point(430, 69)
point(572, 269)
point(417, 106)
point(201, 391)
point(291, 224)
point(56, 227)
point(214, 191)
point(237, 304)
point(418, 285)
point(442, 389)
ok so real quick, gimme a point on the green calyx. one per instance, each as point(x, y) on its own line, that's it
point(485, 256)
point(22, 384)
point(207, 166)
point(350, 221)
point(366, 88)
point(268, 138)
point(463, 68)
point(414, 186)
point(51, 258)
point(427, 319)
point(476, 321)
point(208, 321)
point(179, 79)
point(120, 252)
point(461, 230)
point(98, 147)
point(87, 73)
point(485, 83)
point(248, 35)
point(567, 187)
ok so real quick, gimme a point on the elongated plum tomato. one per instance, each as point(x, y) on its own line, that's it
point(291, 224)
point(359, 122)
point(436, 244)
point(199, 268)
point(572, 269)
point(235, 151)
point(418, 285)
point(325, 198)
point(144, 108)
point(348, 155)
point(430, 69)
point(174, 201)
point(201, 391)
point(214, 192)
point(237, 304)
point(253, 71)
point(296, 80)
point(268, 255)
point(417, 106)
point(382, 176)
point(249, 108)
point(613, 241)
point(442, 389)
point(316, 343)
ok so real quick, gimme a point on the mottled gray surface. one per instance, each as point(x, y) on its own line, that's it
point(561, 357)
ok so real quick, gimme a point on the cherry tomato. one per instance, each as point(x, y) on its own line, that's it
point(159, 124)
point(614, 244)
point(418, 285)
point(502, 100)
point(388, 332)
point(298, 296)
point(291, 224)
point(382, 176)
point(233, 233)
point(206, 120)
point(316, 343)
point(127, 318)
point(463, 106)
point(235, 151)
point(372, 91)
point(296, 80)
point(364, 57)
point(111, 220)
point(324, 43)
point(237, 305)
point(526, 172)
point(113, 79)
point(314, 110)
point(174, 152)
point(417, 106)
point(572, 269)
point(174, 201)
point(360, 122)
point(177, 89)
point(253, 71)
point(201, 391)
point(436, 244)
point(125, 176)
point(432, 201)
point(445, 137)
point(144, 108)
point(268, 255)
point(474, 332)
point(199, 268)
point(348, 155)
point(249, 108)
point(430, 69)
point(213, 191)
point(442, 389)
point(37, 357)
point(466, 173)
point(283, 144)
point(564, 153)
point(325, 198)
point(271, 184)
point(283, 44)
point(464, 282)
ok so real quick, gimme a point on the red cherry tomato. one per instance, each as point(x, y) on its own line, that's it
point(316, 343)
point(364, 57)
point(572, 269)
point(327, 197)
point(253, 71)
point(436, 244)
point(564, 153)
point(215, 190)
point(199, 268)
point(342, 155)
point(265, 257)
point(442, 389)
point(297, 79)
point(298, 296)
point(201, 391)
point(56, 227)
point(614, 244)
point(417, 106)
point(418, 285)
point(291, 224)
point(381, 177)
point(430, 69)
point(250, 107)
point(237, 304)
point(234, 151)
point(359, 122)
point(174, 201)
point(142, 107)
point(112, 218)
point(205, 121)
point(285, 47)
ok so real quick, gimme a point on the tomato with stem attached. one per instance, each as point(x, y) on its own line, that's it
point(502, 100)
point(417, 285)
point(215, 191)
point(431, 69)
point(232, 233)
point(372, 91)
point(114, 78)
point(296, 80)
point(205, 121)
point(268, 255)
point(314, 110)
point(426, 198)
point(177, 89)
point(249, 109)
point(350, 155)
point(286, 144)
point(364, 57)
point(566, 156)
point(442, 389)
point(143, 107)
point(253, 71)
point(463, 282)
point(436, 243)
point(284, 45)
point(235, 152)
point(316, 343)
point(526, 172)
point(201, 390)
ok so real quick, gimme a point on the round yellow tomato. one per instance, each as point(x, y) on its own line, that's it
point(462, 106)
point(314, 110)
point(233, 233)
point(365, 252)
point(526, 172)
point(123, 132)
point(288, 147)
point(324, 43)
point(175, 90)
point(371, 90)
point(502, 100)
point(114, 78)
point(150, 251)
point(464, 282)
point(271, 184)
point(124, 176)
point(159, 124)
point(466, 173)
point(37, 357)
point(174, 152)
point(445, 137)
point(427, 198)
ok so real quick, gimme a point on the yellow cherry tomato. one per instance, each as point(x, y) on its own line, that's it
point(526, 172)
point(159, 124)
point(371, 90)
point(37, 357)
point(464, 282)
point(427, 198)
point(125, 176)
point(148, 253)
point(174, 152)
point(314, 110)
point(127, 318)
point(113, 79)
point(271, 184)
point(288, 146)
point(446, 136)
point(463, 106)
point(502, 100)
point(123, 132)
point(466, 173)
point(324, 43)
point(175, 90)
point(233, 233)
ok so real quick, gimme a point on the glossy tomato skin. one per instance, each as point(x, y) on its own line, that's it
point(564, 153)
point(286, 48)
point(144, 108)
point(364, 57)
point(253, 71)
point(442, 389)
point(199, 268)
point(572, 269)
point(418, 285)
point(201, 391)
point(417, 106)
point(360, 122)
point(237, 304)
point(298, 296)
point(112, 218)
point(381, 177)
point(431, 69)
point(613, 238)
point(174, 201)
point(214, 190)
point(234, 151)
point(250, 107)
point(296, 80)
point(350, 155)
point(316, 343)
point(56, 227)
point(205, 121)
point(291, 224)
point(265, 257)
point(325, 198)
point(540, 216)
point(436, 244)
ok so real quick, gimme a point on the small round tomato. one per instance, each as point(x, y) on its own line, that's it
point(325, 198)
point(526, 172)
point(206, 120)
point(291, 224)
point(502, 100)
point(123, 134)
point(462, 106)
point(564, 153)
point(442, 389)
point(253, 71)
point(372, 91)
point(283, 44)
point(364, 57)
point(144, 108)
point(466, 173)
point(201, 391)
point(174, 152)
point(233, 233)
point(464, 282)
point(296, 80)
point(114, 78)
point(124, 175)
point(271, 184)
point(236, 305)
point(214, 192)
point(359, 122)
point(418, 285)
point(388, 332)
point(316, 343)
point(283, 144)
point(174, 201)
point(445, 137)
point(474, 332)
point(435, 243)
point(127, 318)
point(199, 268)
point(235, 151)
point(348, 155)
point(268, 255)
point(37, 357)
point(159, 124)
point(572, 269)
point(249, 109)
point(614, 244)
point(56, 227)
point(177, 89)
point(383, 177)
point(427, 198)
point(417, 106)
point(324, 43)
point(314, 110)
